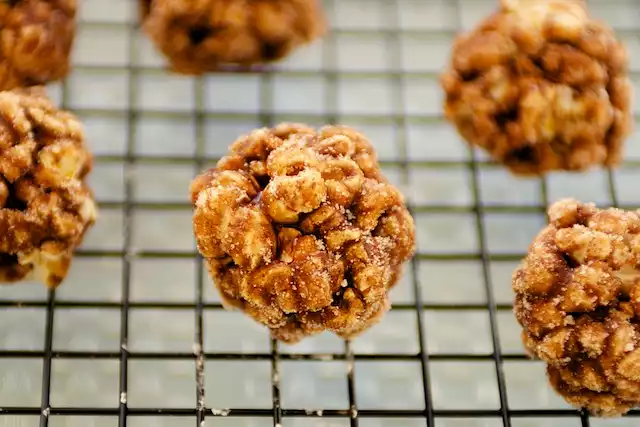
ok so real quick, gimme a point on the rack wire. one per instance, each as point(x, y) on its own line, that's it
point(137, 335)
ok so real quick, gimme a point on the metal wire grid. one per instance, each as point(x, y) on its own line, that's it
point(405, 168)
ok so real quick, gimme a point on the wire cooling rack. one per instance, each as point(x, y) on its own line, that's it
point(137, 336)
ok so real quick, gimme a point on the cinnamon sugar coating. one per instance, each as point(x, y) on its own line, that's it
point(578, 301)
point(207, 35)
point(301, 231)
point(45, 205)
point(36, 38)
point(541, 86)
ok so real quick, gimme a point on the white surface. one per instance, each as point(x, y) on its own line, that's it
point(165, 126)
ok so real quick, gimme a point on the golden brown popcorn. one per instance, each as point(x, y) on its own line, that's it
point(578, 301)
point(301, 231)
point(36, 38)
point(45, 205)
point(208, 35)
point(541, 86)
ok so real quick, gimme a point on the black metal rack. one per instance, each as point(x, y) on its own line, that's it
point(278, 415)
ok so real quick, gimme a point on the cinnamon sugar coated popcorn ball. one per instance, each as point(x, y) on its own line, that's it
point(36, 38)
point(578, 301)
point(300, 230)
point(45, 205)
point(541, 86)
point(206, 35)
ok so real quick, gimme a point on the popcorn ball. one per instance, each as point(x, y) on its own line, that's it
point(301, 231)
point(45, 205)
point(541, 86)
point(36, 37)
point(206, 35)
point(578, 301)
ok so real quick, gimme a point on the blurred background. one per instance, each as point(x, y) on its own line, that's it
point(119, 343)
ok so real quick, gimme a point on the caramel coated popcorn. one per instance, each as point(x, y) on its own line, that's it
point(206, 35)
point(301, 231)
point(45, 205)
point(36, 38)
point(578, 301)
point(541, 86)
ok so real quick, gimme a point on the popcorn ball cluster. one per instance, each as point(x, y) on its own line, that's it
point(45, 205)
point(578, 300)
point(300, 230)
point(541, 86)
point(206, 35)
point(36, 37)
